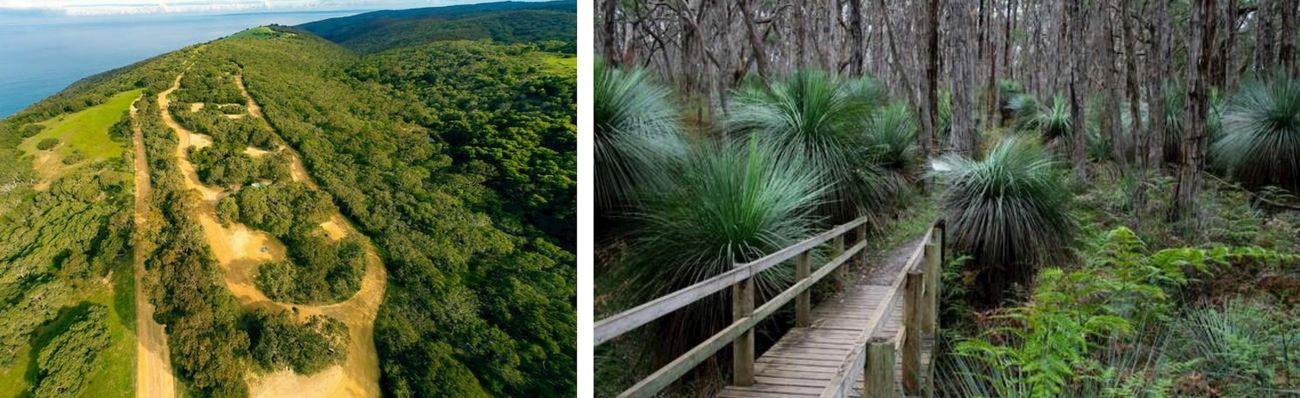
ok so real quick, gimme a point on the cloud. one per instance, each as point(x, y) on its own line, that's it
point(119, 7)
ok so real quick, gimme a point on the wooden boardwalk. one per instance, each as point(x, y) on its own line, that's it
point(871, 339)
point(807, 359)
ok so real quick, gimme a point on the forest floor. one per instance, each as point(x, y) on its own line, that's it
point(153, 372)
point(240, 250)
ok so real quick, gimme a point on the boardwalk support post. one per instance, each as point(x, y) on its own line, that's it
point(880, 369)
point(912, 313)
point(803, 303)
point(841, 273)
point(930, 319)
point(862, 237)
point(742, 350)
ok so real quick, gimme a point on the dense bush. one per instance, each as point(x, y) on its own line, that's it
point(1072, 336)
point(1009, 211)
point(820, 117)
point(637, 135)
point(733, 202)
point(66, 360)
point(47, 143)
point(412, 145)
point(1261, 134)
point(277, 342)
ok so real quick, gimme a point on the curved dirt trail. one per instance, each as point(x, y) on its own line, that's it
point(153, 370)
point(240, 250)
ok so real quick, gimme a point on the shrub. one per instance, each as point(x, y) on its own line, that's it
point(70, 356)
point(31, 130)
point(637, 134)
point(1009, 211)
point(819, 117)
point(732, 203)
point(1260, 141)
point(47, 143)
point(277, 342)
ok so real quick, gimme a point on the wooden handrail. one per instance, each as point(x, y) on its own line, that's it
point(740, 330)
point(623, 322)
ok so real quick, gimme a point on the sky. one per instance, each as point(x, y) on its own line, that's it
point(126, 7)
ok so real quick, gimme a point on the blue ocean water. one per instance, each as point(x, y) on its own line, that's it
point(42, 54)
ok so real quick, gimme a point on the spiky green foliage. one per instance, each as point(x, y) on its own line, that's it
point(637, 134)
point(1260, 143)
point(818, 116)
point(1051, 121)
point(1009, 211)
point(1241, 349)
point(731, 202)
point(890, 142)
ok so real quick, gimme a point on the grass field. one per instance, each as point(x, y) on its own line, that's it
point(83, 133)
point(559, 64)
point(114, 367)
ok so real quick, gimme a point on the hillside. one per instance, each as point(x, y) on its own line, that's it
point(309, 219)
point(505, 22)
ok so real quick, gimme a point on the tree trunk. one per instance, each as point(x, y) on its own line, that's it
point(1264, 35)
point(1131, 81)
point(961, 139)
point(1157, 74)
point(1113, 81)
point(1200, 53)
point(1286, 56)
point(929, 122)
point(755, 42)
point(856, 41)
point(611, 49)
point(1078, 84)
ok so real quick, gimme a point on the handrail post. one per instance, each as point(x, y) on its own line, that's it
point(803, 303)
point(912, 313)
point(742, 350)
point(879, 374)
point(837, 248)
point(930, 318)
point(862, 237)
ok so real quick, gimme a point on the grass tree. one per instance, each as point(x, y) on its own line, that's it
point(1008, 210)
point(1260, 139)
point(729, 202)
point(819, 117)
point(1050, 121)
point(890, 142)
point(637, 135)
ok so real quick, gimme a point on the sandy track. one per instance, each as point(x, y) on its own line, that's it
point(240, 250)
point(153, 370)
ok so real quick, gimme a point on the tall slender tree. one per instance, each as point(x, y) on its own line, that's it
point(1200, 58)
point(962, 138)
point(1078, 86)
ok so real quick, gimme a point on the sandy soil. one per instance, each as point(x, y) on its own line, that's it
point(196, 106)
point(256, 153)
point(198, 141)
point(153, 371)
point(48, 165)
point(333, 228)
point(240, 250)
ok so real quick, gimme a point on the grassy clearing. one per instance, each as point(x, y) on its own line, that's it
point(83, 134)
point(559, 64)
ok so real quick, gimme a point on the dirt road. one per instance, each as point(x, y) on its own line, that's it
point(241, 250)
point(153, 370)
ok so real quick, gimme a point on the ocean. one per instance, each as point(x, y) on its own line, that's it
point(42, 54)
